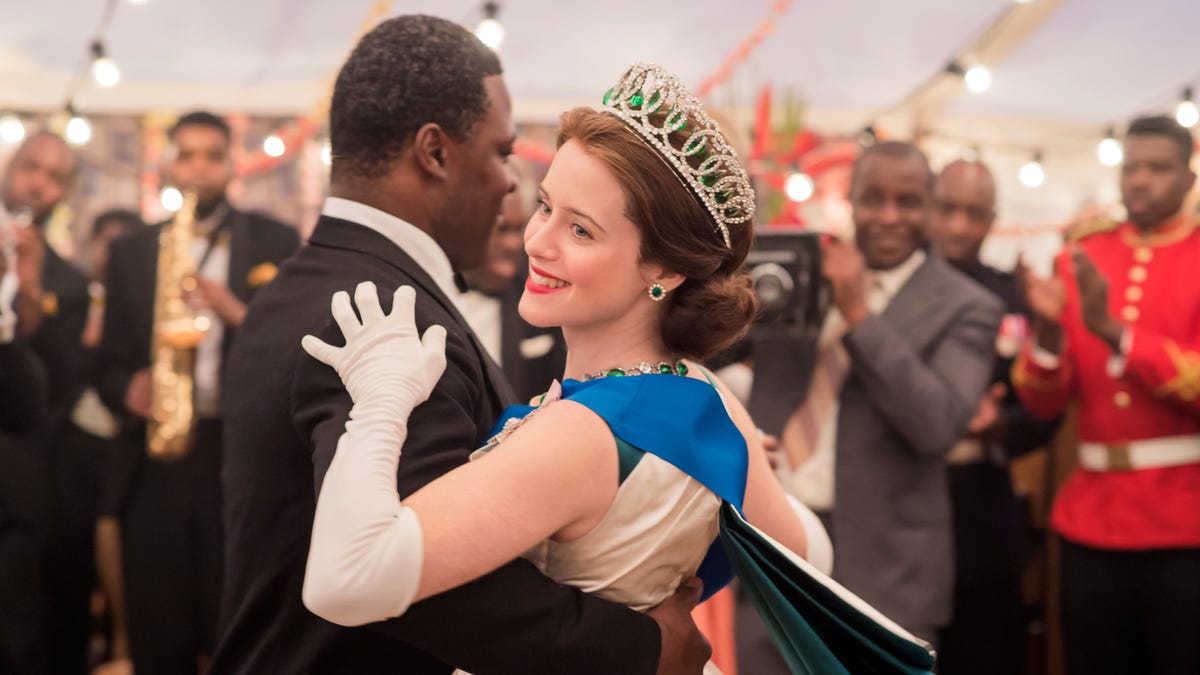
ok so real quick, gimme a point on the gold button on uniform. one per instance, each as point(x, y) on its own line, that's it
point(1122, 399)
point(1137, 274)
point(1143, 254)
point(1129, 313)
point(1133, 293)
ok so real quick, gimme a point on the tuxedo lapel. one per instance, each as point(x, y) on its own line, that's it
point(240, 255)
point(347, 235)
point(918, 308)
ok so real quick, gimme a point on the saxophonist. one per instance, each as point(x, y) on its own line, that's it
point(168, 507)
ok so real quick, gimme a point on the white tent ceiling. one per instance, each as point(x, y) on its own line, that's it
point(1088, 64)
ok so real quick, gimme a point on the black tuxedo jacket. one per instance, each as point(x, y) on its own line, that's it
point(532, 357)
point(284, 413)
point(992, 536)
point(57, 349)
point(257, 245)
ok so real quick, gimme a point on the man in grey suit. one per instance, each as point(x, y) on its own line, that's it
point(904, 356)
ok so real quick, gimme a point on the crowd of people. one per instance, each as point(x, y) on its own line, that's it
point(357, 495)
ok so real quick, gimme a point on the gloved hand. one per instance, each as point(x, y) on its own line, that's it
point(366, 551)
point(384, 362)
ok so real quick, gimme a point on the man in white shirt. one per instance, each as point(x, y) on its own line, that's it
point(421, 128)
point(904, 356)
point(169, 511)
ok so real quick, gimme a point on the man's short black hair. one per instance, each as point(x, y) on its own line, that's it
point(1161, 125)
point(407, 72)
point(892, 150)
point(201, 118)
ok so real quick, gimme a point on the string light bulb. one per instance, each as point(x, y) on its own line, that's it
point(104, 70)
point(489, 31)
point(12, 129)
point(171, 199)
point(274, 146)
point(799, 187)
point(1186, 112)
point(1032, 174)
point(978, 79)
point(327, 153)
point(78, 130)
point(1109, 151)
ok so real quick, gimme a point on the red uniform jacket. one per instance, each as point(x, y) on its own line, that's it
point(1154, 290)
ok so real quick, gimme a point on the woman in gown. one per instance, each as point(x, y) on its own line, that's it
point(614, 482)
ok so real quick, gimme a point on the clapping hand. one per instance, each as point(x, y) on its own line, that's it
point(384, 358)
point(1093, 300)
point(842, 265)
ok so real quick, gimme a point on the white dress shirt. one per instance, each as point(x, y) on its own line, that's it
point(482, 313)
point(409, 238)
point(813, 482)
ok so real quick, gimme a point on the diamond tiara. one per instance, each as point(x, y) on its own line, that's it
point(719, 181)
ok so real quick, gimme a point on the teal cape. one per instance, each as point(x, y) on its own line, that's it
point(820, 628)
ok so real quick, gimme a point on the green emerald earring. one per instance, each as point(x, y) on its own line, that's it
point(657, 292)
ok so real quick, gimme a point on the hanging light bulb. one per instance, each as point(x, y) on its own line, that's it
point(104, 70)
point(799, 187)
point(327, 153)
point(978, 79)
point(78, 131)
point(274, 146)
point(12, 129)
point(1186, 112)
point(489, 31)
point(137, 2)
point(171, 199)
point(1109, 151)
point(1032, 174)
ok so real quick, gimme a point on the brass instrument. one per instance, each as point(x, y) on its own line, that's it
point(177, 331)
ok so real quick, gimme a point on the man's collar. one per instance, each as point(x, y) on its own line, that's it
point(412, 240)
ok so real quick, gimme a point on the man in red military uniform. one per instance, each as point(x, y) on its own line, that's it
point(1118, 332)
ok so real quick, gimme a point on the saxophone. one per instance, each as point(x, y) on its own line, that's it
point(176, 333)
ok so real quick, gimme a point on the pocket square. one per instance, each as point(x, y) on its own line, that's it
point(538, 345)
point(261, 274)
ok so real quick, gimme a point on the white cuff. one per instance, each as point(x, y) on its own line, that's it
point(8, 327)
point(1045, 359)
point(1116, 362)
point(820, 547)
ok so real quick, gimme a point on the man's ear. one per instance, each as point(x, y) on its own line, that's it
point(429, 150)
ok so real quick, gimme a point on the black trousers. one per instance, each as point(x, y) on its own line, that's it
point(171, 550)
point(1131, 611)
point(70, 566)
point(986, 635)
point(23, 607)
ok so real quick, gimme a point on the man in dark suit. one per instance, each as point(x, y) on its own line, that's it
point(51, 306)
point(903, 359)
point(531, 357)
point(169, 511)
point(992, 539)
point(421, 127)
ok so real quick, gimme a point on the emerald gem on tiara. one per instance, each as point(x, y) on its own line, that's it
point(655, 104)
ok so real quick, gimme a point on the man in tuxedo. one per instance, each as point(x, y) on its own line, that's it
point(992, 538)
point(50, 306)
point(421, 129)
point(531, 357)
point(903, 359)
point(169, 511)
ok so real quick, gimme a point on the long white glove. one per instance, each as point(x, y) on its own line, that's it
point(364, 561)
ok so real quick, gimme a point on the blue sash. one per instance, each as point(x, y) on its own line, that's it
point(819, 627)
point(680, 420)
